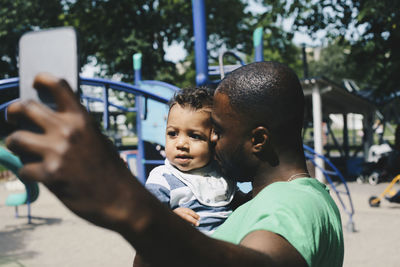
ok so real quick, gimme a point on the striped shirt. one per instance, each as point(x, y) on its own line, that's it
point(204, 191)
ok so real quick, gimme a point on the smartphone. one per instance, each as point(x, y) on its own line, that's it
point(54, 51)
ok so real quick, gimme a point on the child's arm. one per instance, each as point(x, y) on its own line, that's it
point(188, 215)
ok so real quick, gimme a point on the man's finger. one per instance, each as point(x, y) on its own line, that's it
point(26, 143)
point(59, 89)
point(32, 171)
point(39, 114)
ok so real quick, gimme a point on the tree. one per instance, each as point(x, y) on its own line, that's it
point(371, 28)
point(277, 42)
point(331, 61)
point(377, 48)
point(111, 31)
point(114, 30)
point(18, 17)
point(278, 46)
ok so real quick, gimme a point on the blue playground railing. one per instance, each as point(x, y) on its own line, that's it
point(143, 94)
point(348, 209)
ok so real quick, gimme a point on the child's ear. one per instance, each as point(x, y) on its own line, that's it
point(259, 138)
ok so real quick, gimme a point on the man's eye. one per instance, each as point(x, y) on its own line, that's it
point(216, 132)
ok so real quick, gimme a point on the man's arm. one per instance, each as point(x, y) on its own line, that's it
point(81, 167)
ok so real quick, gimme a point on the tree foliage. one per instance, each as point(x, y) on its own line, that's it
point(277, 42)
point(331, 61)
point(18, 17)
point(112, 31)
point(371, 28)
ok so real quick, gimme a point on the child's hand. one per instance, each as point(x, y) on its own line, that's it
point(188, 215)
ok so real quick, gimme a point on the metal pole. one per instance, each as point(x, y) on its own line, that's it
point(106, 119)
point(140, 157)
point(346, 142)
point(317, 121)
point(258, 44)
point(305, 64)
point(137, 67)
point(200, 41)
point(345, 136)
point(353, 117)
point(368, 133)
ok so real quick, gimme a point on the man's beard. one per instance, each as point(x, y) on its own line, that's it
point(231, 166)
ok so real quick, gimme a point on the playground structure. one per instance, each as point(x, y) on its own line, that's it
point(388, 193)
point(151, 109)
point(203, 73)
point(31, 188)
point(347, 207)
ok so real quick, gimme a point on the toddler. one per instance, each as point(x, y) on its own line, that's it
point(190, 182)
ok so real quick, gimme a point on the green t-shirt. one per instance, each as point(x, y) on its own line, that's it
point(302, 211)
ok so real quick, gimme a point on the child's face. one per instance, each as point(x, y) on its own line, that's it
point(188, 137)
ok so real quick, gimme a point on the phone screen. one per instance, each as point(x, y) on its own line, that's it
point(54, 51)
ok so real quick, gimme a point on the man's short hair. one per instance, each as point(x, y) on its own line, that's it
point(193, 97)
point(267, 93)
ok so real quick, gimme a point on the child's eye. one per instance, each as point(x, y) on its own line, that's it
point(171, 133)
point(196, 136)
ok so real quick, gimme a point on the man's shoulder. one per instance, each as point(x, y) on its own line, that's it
point(302, 187)
point(297, 194)
point(304, 205)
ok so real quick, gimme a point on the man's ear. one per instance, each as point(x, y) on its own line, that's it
point(259, 139)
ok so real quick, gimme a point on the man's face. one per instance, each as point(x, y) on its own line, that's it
point(231, 139)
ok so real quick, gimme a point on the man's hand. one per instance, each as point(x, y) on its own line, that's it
point(188, 215)
point(73, 159)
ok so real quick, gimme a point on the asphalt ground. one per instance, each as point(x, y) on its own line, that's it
point(56, 237)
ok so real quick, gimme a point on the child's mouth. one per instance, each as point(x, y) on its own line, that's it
point(183, 158)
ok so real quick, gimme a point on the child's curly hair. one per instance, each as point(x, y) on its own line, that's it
point(194, 97)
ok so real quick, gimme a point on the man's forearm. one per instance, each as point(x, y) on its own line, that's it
point(162, 238)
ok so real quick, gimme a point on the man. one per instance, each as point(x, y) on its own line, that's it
point(257, 114)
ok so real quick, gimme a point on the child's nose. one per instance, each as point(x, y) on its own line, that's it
point(182, 142)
